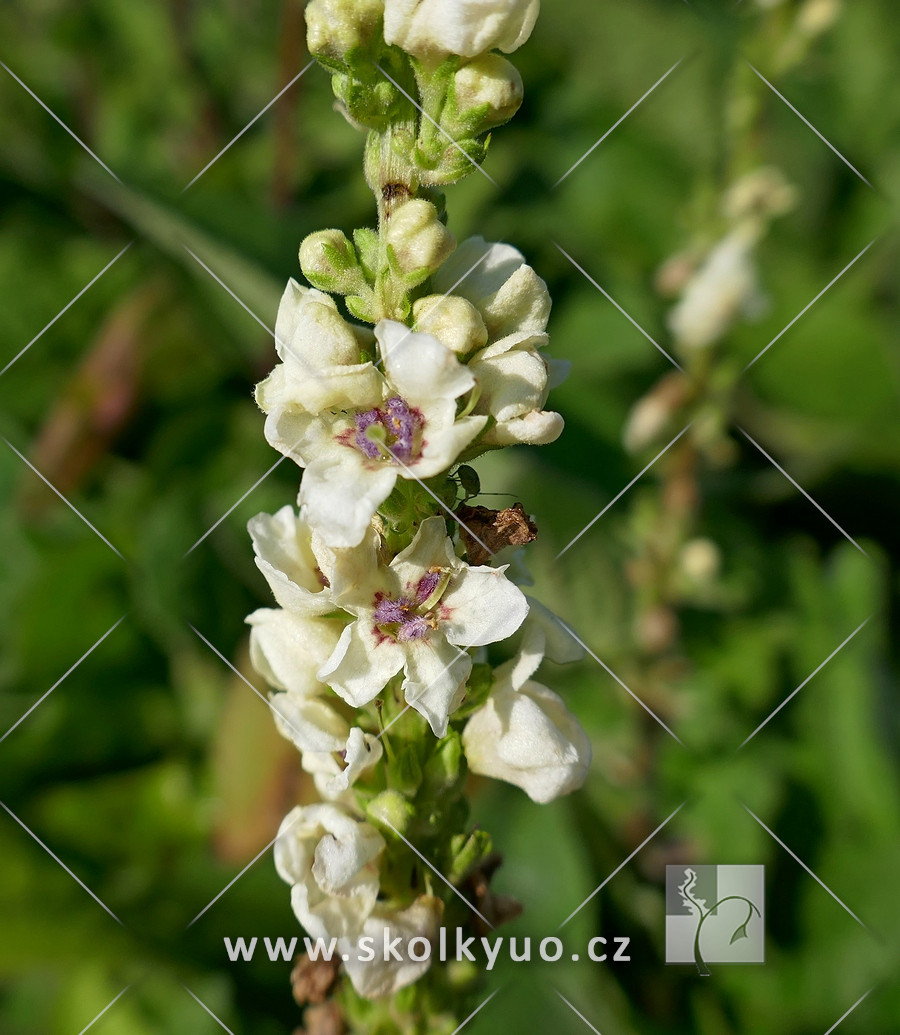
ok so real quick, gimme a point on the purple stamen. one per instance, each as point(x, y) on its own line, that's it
point(392, 612)
point(399, 421)
point(427, 585)
point(362, 440)
point(414, 628)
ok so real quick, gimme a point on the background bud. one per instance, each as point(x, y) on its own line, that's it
point(419, 240)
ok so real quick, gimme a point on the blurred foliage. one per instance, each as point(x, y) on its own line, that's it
point(154, 772)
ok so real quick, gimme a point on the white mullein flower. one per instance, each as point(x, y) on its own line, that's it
point(325, 360)
point(417, 616)
point(287, 650)
point(525, 735)
point(724, 288)
point(328, 856)
point(335, 773)
point(437, 28)
point(375, 977)
point(288, 555)
point(512, 374)
point(353, 454)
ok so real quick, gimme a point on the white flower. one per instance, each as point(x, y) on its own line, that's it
point(723, 289)
point(286, 554)
point(332, 779)
point(371, 975)
point(510, 296)
point(353, 454)
point(436, 28)
point(524, 734)
point(287, 650)
point(512, 374)
point(417, 616)
point(325, 361)
point(513, 379)
point(328, 857)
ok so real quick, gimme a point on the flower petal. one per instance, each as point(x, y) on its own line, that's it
point(284, 554)
point(435, 684)
point(287, 650)
point(362, 664)
point(483, 607)
point(340, 492)
point(419, 366)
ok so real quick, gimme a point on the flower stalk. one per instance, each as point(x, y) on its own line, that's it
point(401, 652)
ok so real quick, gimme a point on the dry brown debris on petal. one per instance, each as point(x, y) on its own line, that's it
point(486, 532)
point(311, 980)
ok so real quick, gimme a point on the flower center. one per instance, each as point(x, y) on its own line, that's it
point(389, 431)
point(412, 617)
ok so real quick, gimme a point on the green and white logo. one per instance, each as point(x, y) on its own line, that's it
point(715, 914)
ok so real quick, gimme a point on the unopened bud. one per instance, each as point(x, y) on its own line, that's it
point(486, 92)
point(329, 262)
point(419, 240)
point(453, 320)
point(390, 809)
point(337, 28)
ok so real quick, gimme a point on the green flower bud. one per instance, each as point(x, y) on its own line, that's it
point(445, 771)
point(418, 241)
point(391, 809)
point(453, 320)
point(485, 93)
point(329, 262)
point(335, 29)
point(467, 853)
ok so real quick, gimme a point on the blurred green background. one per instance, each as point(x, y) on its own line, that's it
point(154, 773)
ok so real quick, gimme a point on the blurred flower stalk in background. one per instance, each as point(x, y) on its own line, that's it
point(715, 285)
point(402, 652)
